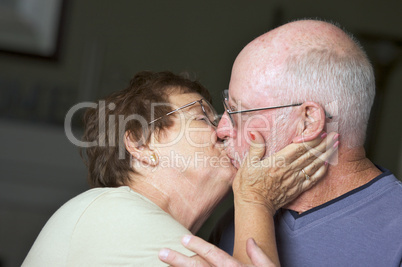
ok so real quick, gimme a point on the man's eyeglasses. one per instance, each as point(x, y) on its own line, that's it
point(225, 98)
point(206, 108)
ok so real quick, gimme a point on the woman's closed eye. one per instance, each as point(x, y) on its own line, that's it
point(202, 118)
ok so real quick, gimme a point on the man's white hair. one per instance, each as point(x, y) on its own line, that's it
point(341, 81)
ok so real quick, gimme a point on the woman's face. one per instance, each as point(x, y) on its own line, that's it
point(192, 149)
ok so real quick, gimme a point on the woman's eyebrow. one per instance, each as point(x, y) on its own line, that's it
point(196, 108)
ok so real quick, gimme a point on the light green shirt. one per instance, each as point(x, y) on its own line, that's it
point(107, 227)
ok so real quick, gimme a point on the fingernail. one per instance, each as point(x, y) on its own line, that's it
point(163, 253)
point(186, 239)
point(326, 163)
point(336, 144)
point(324, 135)
point(252, 136)
point(336, 136)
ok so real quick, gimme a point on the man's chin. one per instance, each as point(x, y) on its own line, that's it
point(235, 164)
point(233, 156)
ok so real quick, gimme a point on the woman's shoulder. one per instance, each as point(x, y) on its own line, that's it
point(123, 222)
point(118, 199)
point(107, 222)
point(106, 203)
point(119, 203)
point(107, 195)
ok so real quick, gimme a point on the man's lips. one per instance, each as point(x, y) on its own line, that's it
point(228, 151)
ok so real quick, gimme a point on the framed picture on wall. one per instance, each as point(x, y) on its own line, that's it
point(31, 27)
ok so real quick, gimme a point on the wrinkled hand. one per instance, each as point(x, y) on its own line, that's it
point(210, 255)
point(276, 180)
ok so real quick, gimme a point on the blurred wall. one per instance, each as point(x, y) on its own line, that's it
point(105, 42)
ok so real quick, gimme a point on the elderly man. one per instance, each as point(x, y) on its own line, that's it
point(353, 216)
point(290, 85)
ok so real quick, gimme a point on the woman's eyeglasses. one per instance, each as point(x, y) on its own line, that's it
point(206, 108)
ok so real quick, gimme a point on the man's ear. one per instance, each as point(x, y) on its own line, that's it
point(140, 152)
point(312, 122)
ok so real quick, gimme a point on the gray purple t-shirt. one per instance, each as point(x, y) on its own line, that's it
point(360, 228)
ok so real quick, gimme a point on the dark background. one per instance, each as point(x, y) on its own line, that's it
point(103, 43)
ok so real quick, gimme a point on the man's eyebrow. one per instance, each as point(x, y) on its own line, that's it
point(234, 100)
point(236, 103)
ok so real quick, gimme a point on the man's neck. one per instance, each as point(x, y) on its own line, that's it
point(352, 170)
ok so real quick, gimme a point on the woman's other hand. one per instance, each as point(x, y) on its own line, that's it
point(210, 255)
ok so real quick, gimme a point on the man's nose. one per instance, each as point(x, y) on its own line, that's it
point(225, 128)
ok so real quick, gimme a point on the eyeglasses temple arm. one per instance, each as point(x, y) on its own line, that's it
point(173, 111)
point(258, 109)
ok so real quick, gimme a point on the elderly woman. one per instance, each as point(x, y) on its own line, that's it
point(157, 171)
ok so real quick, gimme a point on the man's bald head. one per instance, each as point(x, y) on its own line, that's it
point(300, 36)
point(309, 60)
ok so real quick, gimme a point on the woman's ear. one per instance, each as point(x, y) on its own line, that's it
point(312, 122)
point(140, 152)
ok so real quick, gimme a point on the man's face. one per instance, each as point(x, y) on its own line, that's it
point(248, 89)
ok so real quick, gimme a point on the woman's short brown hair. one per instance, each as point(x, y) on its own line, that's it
point(107, 165)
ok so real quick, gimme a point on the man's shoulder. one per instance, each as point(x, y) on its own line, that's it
point(388, 188)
